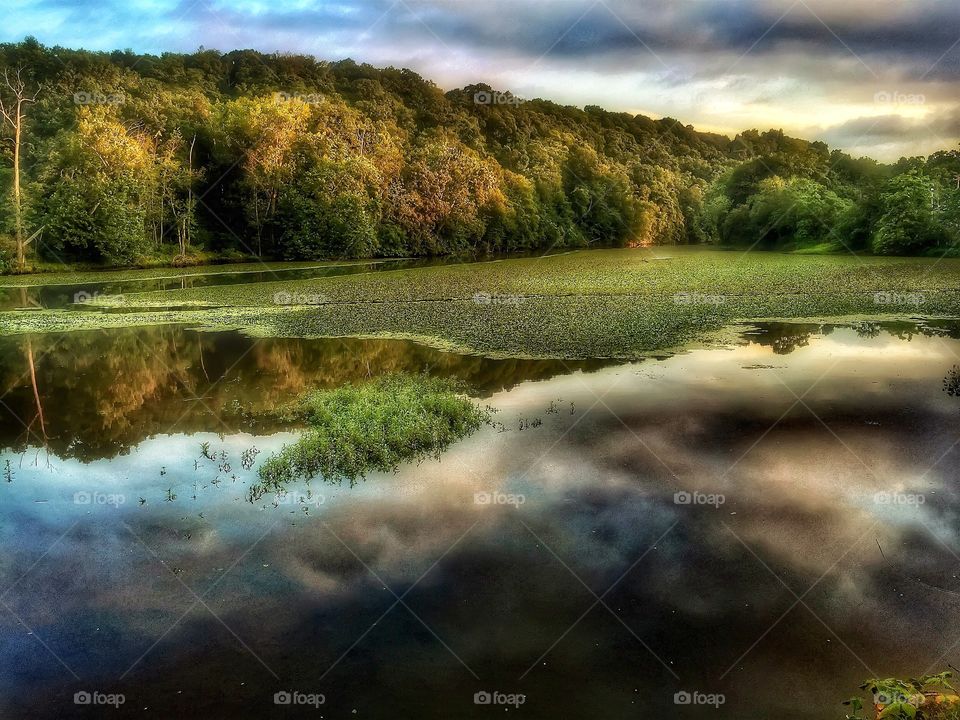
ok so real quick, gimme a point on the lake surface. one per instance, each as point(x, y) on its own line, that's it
point(761, 525)
point(61, 295)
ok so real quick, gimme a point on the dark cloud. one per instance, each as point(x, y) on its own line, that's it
point(940, 128)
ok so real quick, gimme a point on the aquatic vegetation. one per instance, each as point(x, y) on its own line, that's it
point(923, 698)
point(951, 383)
point(356, 429)
point(248, 457)
point(589, 304)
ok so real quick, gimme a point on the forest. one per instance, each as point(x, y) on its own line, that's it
point(123, 159)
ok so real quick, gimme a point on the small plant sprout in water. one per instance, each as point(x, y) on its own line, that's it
point(248, 457)
point(171, 495)
point(951, 383)
point(205, 451)
point(8, 471)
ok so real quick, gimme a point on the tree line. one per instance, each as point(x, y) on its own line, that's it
point(121, 158)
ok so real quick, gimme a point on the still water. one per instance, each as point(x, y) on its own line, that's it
point(761, 526)
point(64, 295)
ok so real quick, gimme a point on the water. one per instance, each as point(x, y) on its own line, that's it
point(560, 562)
point(64, 295)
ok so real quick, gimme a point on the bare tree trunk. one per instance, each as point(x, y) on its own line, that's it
point(190, 192)
point(13, 116)
point(17, 198)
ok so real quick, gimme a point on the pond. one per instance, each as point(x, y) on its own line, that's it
point(48, 295)
point(754, 528)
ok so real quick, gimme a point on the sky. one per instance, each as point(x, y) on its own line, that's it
point(873, 77)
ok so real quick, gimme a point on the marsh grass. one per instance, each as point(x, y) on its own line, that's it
point(374, 426)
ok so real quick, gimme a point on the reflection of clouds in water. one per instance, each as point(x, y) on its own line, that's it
point(596, 497)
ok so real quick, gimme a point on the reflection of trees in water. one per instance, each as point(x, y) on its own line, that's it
point(867, 329)
point(784, 338)
point(31, 436)
point(95, 394)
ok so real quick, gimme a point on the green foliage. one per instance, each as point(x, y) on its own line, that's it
point(909, 223)
point(355, 429)
point(289, 157)
point(7, 260)
point(332, 210)
point(99, 183)
point(896, 699)
point(796, 195)
point(951, 383)
point(284, 156)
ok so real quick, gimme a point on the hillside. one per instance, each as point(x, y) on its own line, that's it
point(131, 158)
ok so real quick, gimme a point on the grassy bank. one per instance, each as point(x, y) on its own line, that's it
point(602, 303)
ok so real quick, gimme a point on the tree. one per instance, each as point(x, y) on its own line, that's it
point(99, 181)
point(909, 224)
point(13, 110)
point(265, 132)
point(331, 211)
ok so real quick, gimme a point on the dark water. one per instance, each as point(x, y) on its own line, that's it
point(557, 562)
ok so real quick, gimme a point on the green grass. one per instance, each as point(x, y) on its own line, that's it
point(588, 304)
point(826, 248)
point(355, 429)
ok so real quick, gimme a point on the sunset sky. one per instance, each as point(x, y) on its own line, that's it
point(876, 77)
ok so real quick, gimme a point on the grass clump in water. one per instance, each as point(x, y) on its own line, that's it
point(377, 425)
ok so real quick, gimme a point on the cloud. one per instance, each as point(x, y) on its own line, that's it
point(897, 134)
